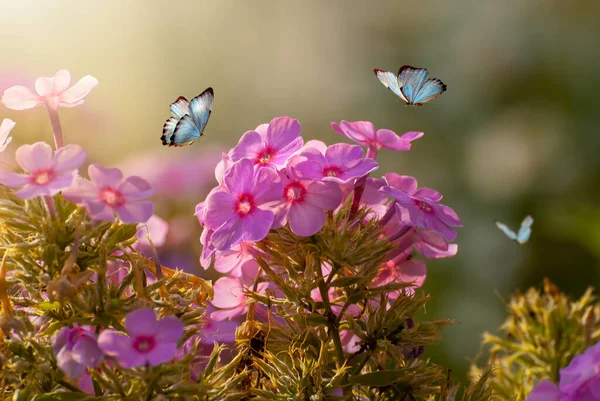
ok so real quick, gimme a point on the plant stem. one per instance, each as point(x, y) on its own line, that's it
point(50, 206)
point(55, 121)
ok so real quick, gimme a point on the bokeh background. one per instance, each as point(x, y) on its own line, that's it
point(517, 131)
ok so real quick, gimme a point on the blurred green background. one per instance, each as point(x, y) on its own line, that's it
point(516, 132)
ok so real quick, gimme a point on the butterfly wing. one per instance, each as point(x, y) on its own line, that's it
point(390, 81)
point(411, 80)
point(507, 231)
point(200, 108)
point(185, 132)
point(168, 130)
point(180, 107)
point(429, 91)
point(525, 230)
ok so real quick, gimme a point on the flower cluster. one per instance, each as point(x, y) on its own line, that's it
point(271, 179)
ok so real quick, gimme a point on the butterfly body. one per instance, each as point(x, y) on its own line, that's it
point(520, 237)
point(412, 85)
point(188, 120)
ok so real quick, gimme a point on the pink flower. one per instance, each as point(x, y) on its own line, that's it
point(5, 127)
point(234, 260)
point(411, 271)
point(108, 193)
point(230, 294)
point(76, 349)
point(46, 174)
point(270, 145)
point(364, 133)
point(149, 341)
point(156, 228)
point(422, 210)
point(341, 163)
point(53, 92)
point(305, 201)
point(580, 381)
point(238, 210)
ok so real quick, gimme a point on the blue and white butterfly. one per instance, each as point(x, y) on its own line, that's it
point(189, 119)
point(524, 231)
point(412, 85)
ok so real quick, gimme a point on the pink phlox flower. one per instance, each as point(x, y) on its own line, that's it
point(149, 341)
point(365, 134)
point(304, 201)
point(373, 198)
point(341, 163)
point(235, 260)
point(350, 342)
point(580, 380)
point(230, 294)
point(46, 174)
point(51, 91)
point(432, 245)
point(116, 271)
point(238, 210)
point(410, 271)
point(314, 144)
point(270, 145)
point(222, 167)
point(156, 227)
point(108, 194)
point(5, 128)
point(76, 349)
point(422, 210)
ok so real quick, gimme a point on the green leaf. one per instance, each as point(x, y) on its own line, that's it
point(48, 305)
point(378, 379)
point(346, 281)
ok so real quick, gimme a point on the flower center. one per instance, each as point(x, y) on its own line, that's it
point(43, 177)
point(294, 192)
point(112, 197)
point(424, 206)
point(265, 156)
point(332, 171)
point(144, 344)
point(245, 205)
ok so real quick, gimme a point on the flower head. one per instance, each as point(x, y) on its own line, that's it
point(51, 91)
point(364, 133)
point(230, 296)
point(5, 127)
point(108, 193)
point(76, 349)
point(578, 381)
point(341, 163)
point(46, 174)
point(270, 144)
point(148, 341)
point(238, 210)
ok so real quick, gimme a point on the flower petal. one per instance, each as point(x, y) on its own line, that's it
point(142, 322)
point(239, 177)
point(60, 82)
point(545, 391)
point(402, 182)
point(68, 365)
point(75, 94)
point(105, 177)
point(119, 346)
point(80, 189)
point(305, 219)
point(281, 132)
point(171, 329)
point(5, 127)
point(21, 98)
point(219, 208)
point(228, 234)
point(135, 188)
point(70, 157)
point(135, 212)
point(87, 352)
point(229, 293)
point(13, 180)
point(257, 225)
point(161, 353)
point(34, 157)
point(249, 145)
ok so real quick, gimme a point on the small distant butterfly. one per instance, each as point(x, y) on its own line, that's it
point(189, 119)
point(412, 85)
point(524, 232)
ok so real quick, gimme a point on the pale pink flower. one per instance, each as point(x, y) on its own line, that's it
point(51, 91)
point(109, 194)
point(45, 174)
point(230, 294)
point(5, 127)
point(365, 134)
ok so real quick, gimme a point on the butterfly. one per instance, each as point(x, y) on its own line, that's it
point(189, 119)
point(412, 85)
point(524, 231)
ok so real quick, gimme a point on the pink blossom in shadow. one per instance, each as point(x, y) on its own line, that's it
point(53, 91)
point(5, 128)
point(233, 261)
point(76, 349)
point(108, 194)
point(46, 173)
point(365, 134)
point(230, 294)
point(238, 210)
point(148, 340)
point(270, 144)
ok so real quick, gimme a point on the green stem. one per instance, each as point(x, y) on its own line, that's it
point(69, 386)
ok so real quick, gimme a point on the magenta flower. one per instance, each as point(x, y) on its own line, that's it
point(46, 174)
point(238, 210)
point(76, 349)
point(234, 260)
point(305, 201)
point(270, 145)
point(149, 341)
point(364, 133)
point(156, 227)
point(422, 210)
point(341, 163)
point(108, 193)
point(51, 91)
point(580, 381)
point(230, 294)
point(5, 127)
